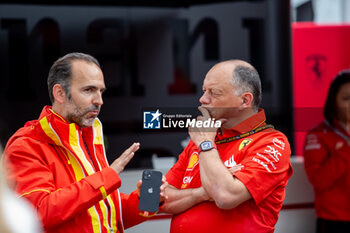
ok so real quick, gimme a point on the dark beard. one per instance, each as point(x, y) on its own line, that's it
point(78, 117)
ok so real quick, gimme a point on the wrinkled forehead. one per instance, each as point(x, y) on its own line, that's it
point(220, 76)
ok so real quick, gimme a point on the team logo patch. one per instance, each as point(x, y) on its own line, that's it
point(244, 143)
point(193, 161)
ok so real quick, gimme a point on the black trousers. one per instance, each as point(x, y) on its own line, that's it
point(329, 226)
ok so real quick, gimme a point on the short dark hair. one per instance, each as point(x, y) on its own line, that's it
point(61, 72)
point(247, 79)
point(330, 110)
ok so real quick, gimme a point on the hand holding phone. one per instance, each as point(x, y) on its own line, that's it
point(150, 190)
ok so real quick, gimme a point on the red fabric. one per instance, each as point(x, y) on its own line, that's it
point(266, 183)
point(327, 164)
point(319, 53)
point(40, 170)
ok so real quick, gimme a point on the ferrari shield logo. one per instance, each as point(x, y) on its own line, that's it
point(244, 143)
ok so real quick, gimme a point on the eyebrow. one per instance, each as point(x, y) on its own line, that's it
point(217, 90)
point(94, 87)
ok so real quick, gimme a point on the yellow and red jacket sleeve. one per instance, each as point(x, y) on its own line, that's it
point(33, 178)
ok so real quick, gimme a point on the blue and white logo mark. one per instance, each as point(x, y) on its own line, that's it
point(151, 120)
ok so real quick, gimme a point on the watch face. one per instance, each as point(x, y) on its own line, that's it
point(206, 146)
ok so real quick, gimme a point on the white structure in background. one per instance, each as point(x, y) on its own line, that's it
point(326, 11)
point(162, 163)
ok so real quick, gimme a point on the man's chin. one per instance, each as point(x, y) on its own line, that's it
point(86, 123)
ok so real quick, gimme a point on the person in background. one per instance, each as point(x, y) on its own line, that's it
point(327, 159)
point(58, 162)
point(232, 178)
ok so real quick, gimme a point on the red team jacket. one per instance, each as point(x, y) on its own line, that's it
point(327, 164)
point(266, 159)
point(48, 164)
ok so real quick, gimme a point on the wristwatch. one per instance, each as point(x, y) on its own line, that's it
point(207, 145)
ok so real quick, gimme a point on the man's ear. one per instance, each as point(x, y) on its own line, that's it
point(58, 93)
point(247, 100)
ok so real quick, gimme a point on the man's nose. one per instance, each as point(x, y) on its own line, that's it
point(204, 99)
point(98, 100)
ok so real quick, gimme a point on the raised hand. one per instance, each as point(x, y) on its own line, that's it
point(200, 134)
point(119, 164)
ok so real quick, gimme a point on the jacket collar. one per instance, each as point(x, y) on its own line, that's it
point(50, 121)
point(247, 125)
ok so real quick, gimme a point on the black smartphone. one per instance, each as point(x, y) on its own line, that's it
point(150, 190)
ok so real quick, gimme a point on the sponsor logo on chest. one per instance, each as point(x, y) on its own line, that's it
point(193, 161)
point(187, 179)
point(230, 162)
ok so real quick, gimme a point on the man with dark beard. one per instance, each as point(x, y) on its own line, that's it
point(58, 162)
